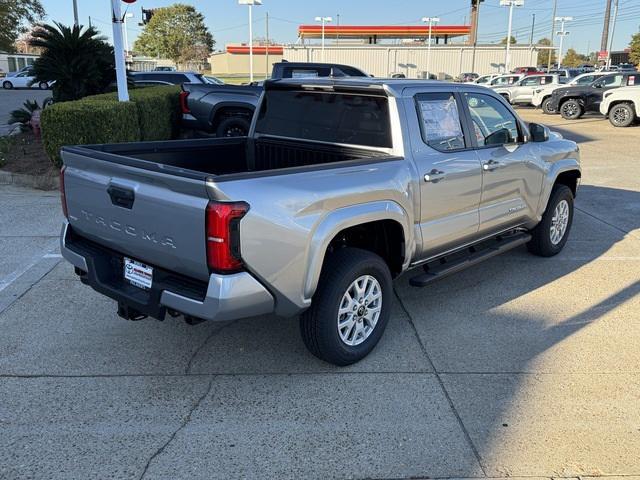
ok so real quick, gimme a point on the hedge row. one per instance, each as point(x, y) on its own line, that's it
point(152, 114)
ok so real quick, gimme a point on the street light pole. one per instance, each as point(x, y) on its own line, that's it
point(510, 4)
point(430, 21)
point(323, 20)
point(118, 51)
point(126, 35)
point(75, 12)
point(562, 33)
point(250, 3)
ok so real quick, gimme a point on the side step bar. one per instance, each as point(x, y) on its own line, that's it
point(467, 257)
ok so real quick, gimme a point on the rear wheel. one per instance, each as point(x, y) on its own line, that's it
point(7, 85)
point(547, 106)
point(622, 115)
point(233, 127)
point(350, 308)
point(571, 110)
point(550, 235)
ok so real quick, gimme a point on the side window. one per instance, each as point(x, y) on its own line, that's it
point(493, 123)
point(530, 82)
point(546, 80)
point(613, 81)
point(586, 80)
point(440, 121)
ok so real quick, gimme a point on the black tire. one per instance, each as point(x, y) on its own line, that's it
point(7, 85)
point(541, 243)
point(622, 115)
point(319, 324)
point(572, 109)
point(233, 127)
point(43, 85)
point(546, 106)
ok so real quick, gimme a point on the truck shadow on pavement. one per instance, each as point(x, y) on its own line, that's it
point(530, 351)
point(520, 344)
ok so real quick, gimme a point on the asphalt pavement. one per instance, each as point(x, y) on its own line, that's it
point(13, 99)
point(518, 367)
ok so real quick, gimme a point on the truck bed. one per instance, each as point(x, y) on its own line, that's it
point(224, 156)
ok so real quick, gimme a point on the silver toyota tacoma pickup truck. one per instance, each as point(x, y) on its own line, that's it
point(340, 186)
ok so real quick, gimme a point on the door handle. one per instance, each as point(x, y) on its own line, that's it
point(121, 197)
point(491, 165)
point(434, 176)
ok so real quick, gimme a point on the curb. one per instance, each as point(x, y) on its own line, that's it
point(40, 182)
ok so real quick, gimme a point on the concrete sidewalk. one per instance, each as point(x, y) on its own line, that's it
point(519, 367)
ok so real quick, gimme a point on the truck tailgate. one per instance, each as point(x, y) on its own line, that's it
point(155, 217)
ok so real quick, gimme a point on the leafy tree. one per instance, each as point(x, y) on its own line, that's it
point(77, 58)
point(634, 49)
point(504, 40)
point(177, 32)
point(573, 58)
point(15, 18)
point(543, 55)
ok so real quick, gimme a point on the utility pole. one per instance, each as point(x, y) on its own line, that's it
point(323, 20)
point(605, 28)
point(75, 12)
point(89, 21)
point(338, 28)
point(473, 36)
point(613, 32)
point(553, 33)
point(266, 68)
point(533, 25)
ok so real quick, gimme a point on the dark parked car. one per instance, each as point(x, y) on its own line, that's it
point(166, 78)
point(573, 102)
point(226, 110)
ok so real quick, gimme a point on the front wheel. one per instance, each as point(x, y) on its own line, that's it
point(551, 234)
point(571, 110)
point(547, 106)
point(350, 308)
point(43, 85)
point(622, 115)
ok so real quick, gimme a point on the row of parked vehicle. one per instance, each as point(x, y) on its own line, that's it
point(616, 95)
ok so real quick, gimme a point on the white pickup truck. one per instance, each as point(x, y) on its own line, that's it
point(621, 106)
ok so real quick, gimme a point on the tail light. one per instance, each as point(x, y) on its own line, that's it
point(63, 197)
point(223, 235)
point(183, 102)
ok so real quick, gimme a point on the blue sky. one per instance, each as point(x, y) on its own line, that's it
point(229, 22)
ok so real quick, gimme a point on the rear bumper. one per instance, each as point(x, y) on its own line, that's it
point(223, 297)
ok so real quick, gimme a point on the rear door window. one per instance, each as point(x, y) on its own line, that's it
point(439, 118)
point(355, 119)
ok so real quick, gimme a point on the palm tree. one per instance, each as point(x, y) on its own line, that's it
point(77, 58)
point(23, 115)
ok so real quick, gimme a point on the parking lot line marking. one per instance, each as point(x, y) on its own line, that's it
point(16, 274)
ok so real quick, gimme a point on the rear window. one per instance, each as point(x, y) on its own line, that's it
point(327, 117)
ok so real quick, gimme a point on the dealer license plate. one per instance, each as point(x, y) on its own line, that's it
point(137, 273)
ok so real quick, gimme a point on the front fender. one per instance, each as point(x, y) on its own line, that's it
point(567, 164)
point(346, 217)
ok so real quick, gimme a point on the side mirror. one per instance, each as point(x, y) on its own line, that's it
point(597, 85)
point(539, 133)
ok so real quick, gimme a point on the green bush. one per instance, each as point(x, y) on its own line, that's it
point(151, 114)
point(87, 121)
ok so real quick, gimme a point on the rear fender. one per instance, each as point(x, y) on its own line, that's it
point(346, 217)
